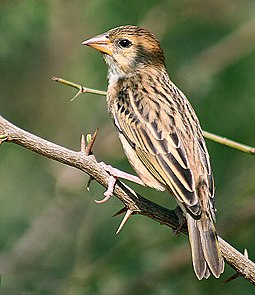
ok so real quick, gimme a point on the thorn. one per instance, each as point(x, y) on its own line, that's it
point(121, 211)
point(77, 94)
point(245, 253)
point(88, 149)
point(89, 182)
point(237, 274)
point(233, 277)
point(83, 144)
point(124, 220)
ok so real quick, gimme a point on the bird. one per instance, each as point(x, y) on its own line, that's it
point(161, 135)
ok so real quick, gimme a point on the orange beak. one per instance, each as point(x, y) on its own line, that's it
point(101, 43)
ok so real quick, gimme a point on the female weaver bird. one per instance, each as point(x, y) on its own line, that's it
point(161, 135)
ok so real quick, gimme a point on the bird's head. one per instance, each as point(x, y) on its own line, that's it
point(128, 49)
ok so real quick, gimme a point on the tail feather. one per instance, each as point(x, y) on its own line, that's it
point(206, 254)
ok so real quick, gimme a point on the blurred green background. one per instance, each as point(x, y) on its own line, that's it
point(54, 238)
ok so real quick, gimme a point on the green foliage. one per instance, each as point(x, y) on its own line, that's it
point(23, 28)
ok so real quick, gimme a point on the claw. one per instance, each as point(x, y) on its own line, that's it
point(114, 175)
point(105, 199)
point(111, 183)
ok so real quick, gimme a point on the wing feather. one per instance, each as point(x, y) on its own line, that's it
point(163, 140)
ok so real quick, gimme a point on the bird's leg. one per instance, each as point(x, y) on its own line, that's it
point(114, 175)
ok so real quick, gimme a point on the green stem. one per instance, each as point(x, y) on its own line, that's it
point(79, 87)
point(230, 143)
point(208, 135)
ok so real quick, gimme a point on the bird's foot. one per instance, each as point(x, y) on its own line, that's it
point(109, 192)
point(121, 174)
point(114, 175)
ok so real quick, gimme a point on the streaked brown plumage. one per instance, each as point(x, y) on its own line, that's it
point(161, 134)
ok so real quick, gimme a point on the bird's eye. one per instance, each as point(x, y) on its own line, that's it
point(124, 43)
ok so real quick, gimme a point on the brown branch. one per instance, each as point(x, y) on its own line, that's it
point(132, 201)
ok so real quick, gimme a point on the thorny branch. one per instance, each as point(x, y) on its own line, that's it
point(134, 203)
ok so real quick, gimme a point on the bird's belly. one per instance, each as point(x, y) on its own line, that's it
point(141, 170)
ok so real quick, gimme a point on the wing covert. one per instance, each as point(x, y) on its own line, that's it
point(158, 144)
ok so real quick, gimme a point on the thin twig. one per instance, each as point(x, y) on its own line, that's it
point(132, 201)
point(79, 87)
point(230, 143)
point(208, 135)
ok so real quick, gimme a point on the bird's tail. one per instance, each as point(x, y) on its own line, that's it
point(206, 254)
